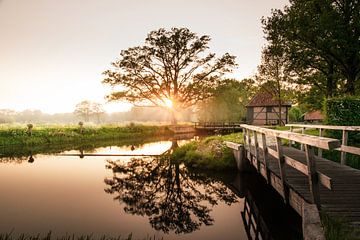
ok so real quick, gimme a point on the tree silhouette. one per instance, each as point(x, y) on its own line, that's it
point(171, 196)
point(170, 69)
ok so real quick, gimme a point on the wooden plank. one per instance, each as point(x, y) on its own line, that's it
point(296, 165)
point(344, 143)
point(232, 145)
point(321, 142)
point(312, 176)
point(331, 127)
point(349, 149)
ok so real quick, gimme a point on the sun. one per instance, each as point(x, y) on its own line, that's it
point(168, 103)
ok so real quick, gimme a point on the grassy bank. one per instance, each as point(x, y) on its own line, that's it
point(209, 153)
point(61, 134)
point(338, 228)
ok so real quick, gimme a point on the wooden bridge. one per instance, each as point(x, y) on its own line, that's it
point(218, 126)
point(308, 183)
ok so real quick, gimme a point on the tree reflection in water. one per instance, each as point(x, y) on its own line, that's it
point(171, 196)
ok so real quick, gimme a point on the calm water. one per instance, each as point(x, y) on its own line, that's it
point(121, 195)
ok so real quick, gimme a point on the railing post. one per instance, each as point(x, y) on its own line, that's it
point(291, 130)
point(321, 133)
point(344, 142)
point(244, 138)
point(266, 157)
point(302, 132)
point(249, 144)
point(312, 175)
point(281, 161)
point(256, 150)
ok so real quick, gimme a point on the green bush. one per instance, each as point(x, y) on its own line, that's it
point(343, 112)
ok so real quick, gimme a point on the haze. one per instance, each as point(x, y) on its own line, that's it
point(53, 53)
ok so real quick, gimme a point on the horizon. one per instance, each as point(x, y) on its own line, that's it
point(54, 53)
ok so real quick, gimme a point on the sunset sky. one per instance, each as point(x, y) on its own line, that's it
point(53, 53)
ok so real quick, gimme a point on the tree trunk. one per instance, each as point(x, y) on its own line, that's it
point(330, 81)
point(350, 83)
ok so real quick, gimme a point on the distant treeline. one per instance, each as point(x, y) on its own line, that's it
point(141, 114)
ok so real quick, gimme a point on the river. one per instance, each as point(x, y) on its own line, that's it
point(142, 196)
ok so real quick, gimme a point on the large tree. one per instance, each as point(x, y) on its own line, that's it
point(171, 69)
point(321, 39)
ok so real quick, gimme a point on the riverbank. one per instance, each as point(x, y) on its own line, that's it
point(72, 134)
point(209, 153)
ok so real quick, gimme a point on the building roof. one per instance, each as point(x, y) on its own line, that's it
point(265, 99)
point(313, 116)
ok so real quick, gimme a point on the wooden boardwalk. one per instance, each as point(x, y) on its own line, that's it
point(342, 200)
point(308, 183)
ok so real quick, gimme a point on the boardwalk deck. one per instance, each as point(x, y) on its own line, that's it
point(343, 200)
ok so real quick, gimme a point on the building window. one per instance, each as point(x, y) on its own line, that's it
point(268, 109)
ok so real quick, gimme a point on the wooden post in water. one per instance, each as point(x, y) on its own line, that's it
point(281, 161)
point(321, 133)
point(312, 175)
point(344, 143)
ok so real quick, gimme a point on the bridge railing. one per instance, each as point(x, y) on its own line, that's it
point(252, 147)
point(344, 148)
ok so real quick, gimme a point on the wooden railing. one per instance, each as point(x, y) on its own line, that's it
point(344, 148)
point(309, 169)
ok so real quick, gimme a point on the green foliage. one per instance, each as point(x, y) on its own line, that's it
point(228, 103)
point(343, 111)
point(310, 34)
point(338, 228)
point(74, 134)
point(295, 114)
point(210, 153)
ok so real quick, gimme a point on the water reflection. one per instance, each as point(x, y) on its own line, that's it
point(173, 198)
point(264, 214)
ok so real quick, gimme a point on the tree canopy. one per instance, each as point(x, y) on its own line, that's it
point(321, 40)
point(171, 66)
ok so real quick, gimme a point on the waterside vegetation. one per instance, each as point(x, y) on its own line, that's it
point(65, 134)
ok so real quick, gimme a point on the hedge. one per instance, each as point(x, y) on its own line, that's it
point(343, 111)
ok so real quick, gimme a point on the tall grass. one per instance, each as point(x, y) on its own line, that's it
point(57, 134)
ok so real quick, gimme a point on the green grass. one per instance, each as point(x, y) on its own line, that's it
point(60, 134)
point(338, 228)
point(209, 153)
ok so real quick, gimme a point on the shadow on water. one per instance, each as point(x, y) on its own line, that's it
point(173, 198)
point(265, 215)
